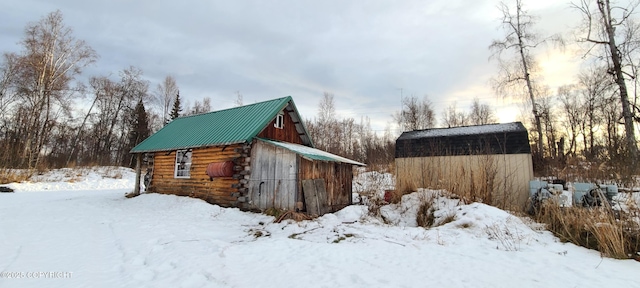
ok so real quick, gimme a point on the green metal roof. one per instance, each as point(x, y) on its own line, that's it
point(312, 153)
point(224, 127)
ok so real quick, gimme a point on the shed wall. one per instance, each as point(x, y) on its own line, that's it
point(219, 191)
point(337, 176)
point(501, 180)
point(273, 180)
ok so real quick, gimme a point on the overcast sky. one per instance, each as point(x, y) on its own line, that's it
point(366, 53)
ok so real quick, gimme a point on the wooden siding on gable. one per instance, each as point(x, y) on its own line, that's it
point(288, 133)
point(219, 191)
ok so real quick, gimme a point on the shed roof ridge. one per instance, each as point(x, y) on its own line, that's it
point(464, 126)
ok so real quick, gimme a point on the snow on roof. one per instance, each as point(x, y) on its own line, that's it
point(312, 153)
point(465, 130)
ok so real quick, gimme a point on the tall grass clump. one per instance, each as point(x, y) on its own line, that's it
point(474, 178)
point(425, 216)
point(436, 208)
point(13, 175)
point(614, 234)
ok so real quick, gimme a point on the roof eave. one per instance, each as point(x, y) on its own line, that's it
point(187, 147)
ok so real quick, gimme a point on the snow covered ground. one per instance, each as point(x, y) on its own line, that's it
point(90, 235)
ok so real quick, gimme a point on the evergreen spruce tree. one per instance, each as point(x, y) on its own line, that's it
point(139, 128)
point(177, 108)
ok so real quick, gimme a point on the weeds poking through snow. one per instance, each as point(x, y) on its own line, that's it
point(509, 238)
point(448, 218)
point(433, 211)
point(425, 216)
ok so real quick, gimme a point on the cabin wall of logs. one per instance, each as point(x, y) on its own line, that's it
point(262, 176)
point(226, 191)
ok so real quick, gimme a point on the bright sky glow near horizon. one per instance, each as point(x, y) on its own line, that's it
point(365, 53)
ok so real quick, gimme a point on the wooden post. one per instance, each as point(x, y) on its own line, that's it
point(136, 190)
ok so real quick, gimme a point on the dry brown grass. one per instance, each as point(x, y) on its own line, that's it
point(447, 219)
point(295, 216)
point(374, 206)
point(12, 175)
point(576, 169)
point(595, 228)
point(509, 237)
point(426, 214)
point(474, 179)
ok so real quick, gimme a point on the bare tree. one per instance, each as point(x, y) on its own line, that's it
point(51, 59)
point(451, 117)
point(200, 107)
point(112, 120)
point(611, 35)
point(164, 95)
point(572, 110)
point(8, 68)
point(516, 70)
point(327, 108)
point(481, 114)
point(548, 116)
point(596, 87)
point(326, 123)
point(614, 138)
point(415, 114)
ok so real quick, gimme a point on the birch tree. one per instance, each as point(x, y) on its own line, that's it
point(164, 95)
point(51, 59)
point(516, 62)
point(8, 68)
point(612, 36)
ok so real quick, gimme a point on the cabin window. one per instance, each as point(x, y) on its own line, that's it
point(279, 121)
point(183, 164)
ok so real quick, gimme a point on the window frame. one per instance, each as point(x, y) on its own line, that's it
point(279, 122)
point(184, 158)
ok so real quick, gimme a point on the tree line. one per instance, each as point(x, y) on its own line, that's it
point(593, 117)
point(348, 137)
point(49, 118)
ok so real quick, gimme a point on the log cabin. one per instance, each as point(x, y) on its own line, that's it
point(485, 163)
point(253, 157)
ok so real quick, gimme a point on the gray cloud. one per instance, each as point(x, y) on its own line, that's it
point(363, 52)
